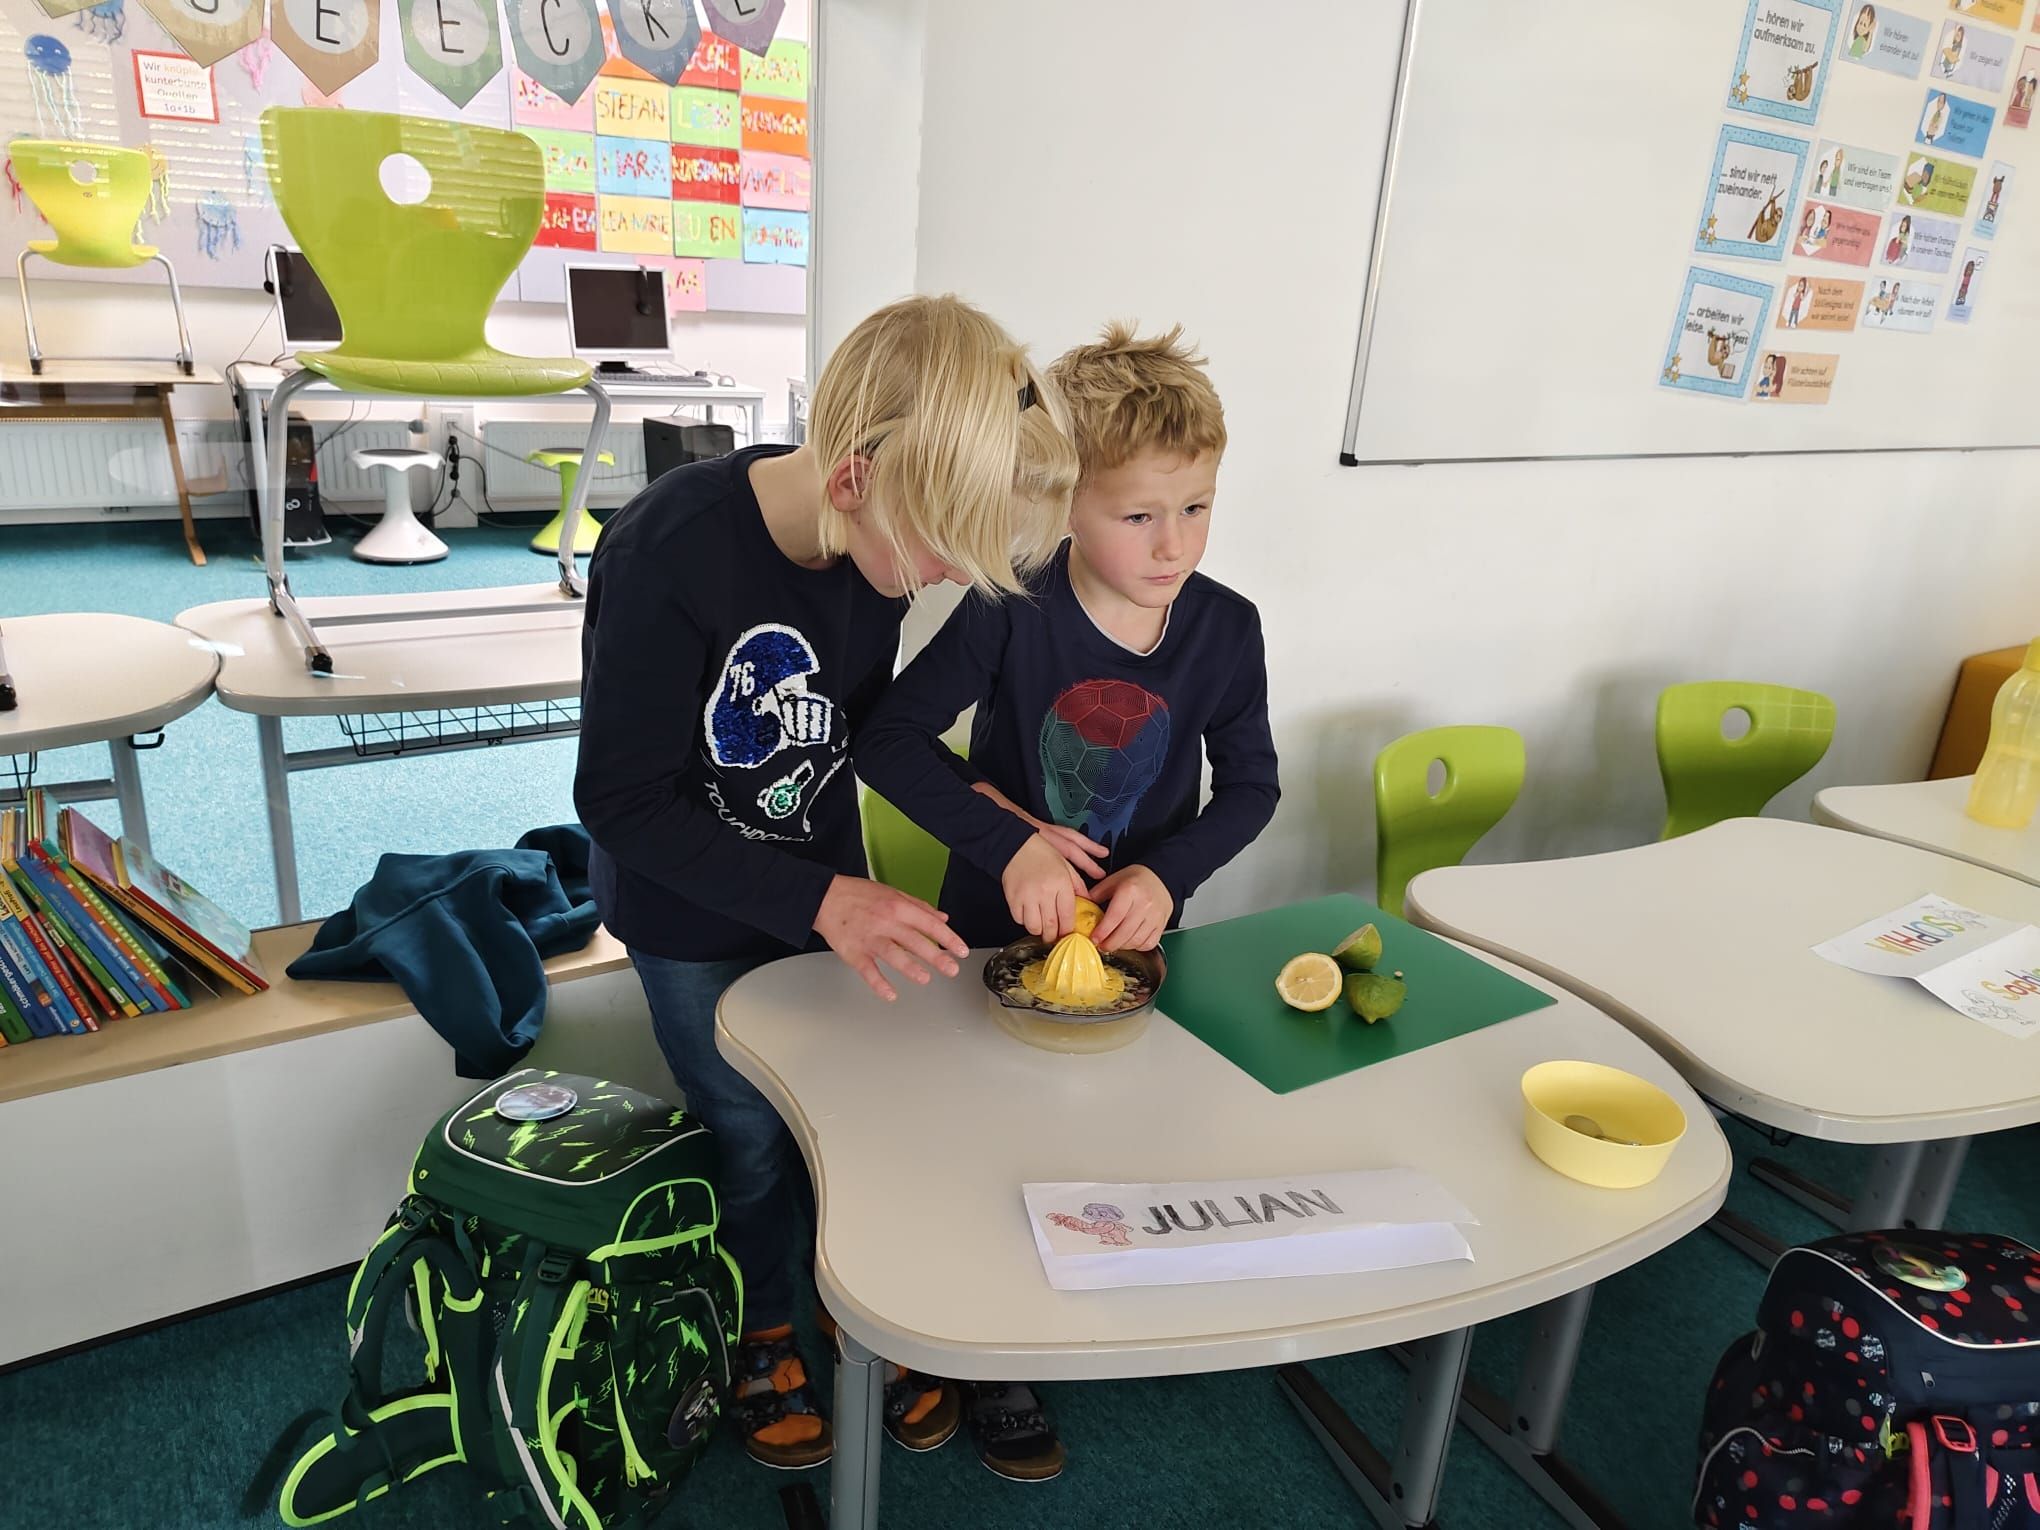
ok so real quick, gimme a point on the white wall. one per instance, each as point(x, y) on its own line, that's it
point(1081, 161)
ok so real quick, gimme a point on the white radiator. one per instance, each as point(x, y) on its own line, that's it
point(92, 465)
point(515, 484)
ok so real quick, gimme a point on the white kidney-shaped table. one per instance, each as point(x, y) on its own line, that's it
point(93, 677)
point(924, 1254)
point(1930, 816)
point(1703, 945)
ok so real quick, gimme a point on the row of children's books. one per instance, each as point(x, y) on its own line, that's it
point(93, 930)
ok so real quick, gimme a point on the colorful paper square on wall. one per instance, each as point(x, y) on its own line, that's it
point(707, 231)
point(777, 180)
point(711, 118)
point(633, 167)
point(715, 64)
point(533, 106)
point(705, 175)
point(636, 225)
point(632, 108)
point(775, 238)
point(569, 158)
point(569, 222)
point(783, 72)
point(776, 127)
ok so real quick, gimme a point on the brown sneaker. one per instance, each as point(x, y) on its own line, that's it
point(921, 1412)
point(774, 1404)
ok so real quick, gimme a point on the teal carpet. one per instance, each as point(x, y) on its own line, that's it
point(168, 1429)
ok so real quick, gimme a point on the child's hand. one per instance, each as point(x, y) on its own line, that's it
point(1041, 890)
point(1137, 909)
point(1086, 855)
point(866, 923)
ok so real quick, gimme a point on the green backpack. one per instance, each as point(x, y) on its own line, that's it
point(557, 1254)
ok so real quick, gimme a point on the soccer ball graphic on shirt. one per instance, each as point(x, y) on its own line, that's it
point(1102, 747)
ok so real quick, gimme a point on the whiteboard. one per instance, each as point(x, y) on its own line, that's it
point(220, 218)
point(1547, 170)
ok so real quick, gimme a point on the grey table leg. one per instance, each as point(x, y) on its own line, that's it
point(1934, 1185)
point(1888, 1190)
point(1526, 1436)
point(1402, 1495)
point(860, 1409)
point(127, 790)
point(282, 834)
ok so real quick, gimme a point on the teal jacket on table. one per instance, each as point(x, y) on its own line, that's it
point(466, 936)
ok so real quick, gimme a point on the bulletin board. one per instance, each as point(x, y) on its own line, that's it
point(706, 179)
point(1719, 227)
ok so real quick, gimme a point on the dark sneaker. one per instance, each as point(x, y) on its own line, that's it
point(1013, 1436)
point(775, 1406)
point(921, 1412)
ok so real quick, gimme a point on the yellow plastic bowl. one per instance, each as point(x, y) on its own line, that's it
point(1622, 1105)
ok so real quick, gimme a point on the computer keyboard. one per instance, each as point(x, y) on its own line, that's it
point(647, 375)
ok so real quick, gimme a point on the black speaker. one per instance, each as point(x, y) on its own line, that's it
point(672, 443)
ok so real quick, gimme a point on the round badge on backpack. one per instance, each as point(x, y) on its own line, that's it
point(1918, 1267)
point(697, 1411)
point(535, 1102)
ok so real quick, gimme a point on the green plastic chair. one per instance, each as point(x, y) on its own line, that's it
point(902, 853)
point(92, 196)
point(413, 284)
point(1709, 777)
point(1415, 831)
point(566, 461)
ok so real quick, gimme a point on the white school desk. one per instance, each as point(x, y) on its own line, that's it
point(94, 677)
point(924, 1254)
point(1930, 814)
point(80, 389)
point(1704, 946)
point(457, 682)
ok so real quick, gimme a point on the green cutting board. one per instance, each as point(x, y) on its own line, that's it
point(1221, 988)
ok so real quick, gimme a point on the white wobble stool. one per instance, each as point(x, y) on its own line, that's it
point(400, 538)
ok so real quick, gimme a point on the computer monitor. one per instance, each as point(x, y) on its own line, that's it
point(617, 311)
point(304, 309)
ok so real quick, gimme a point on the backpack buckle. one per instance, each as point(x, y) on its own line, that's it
point(555, 1267)
point(414, 1213)
point(1966, 1445)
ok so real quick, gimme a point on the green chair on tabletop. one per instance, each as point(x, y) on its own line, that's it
point(1417, 829)
point(1709, 776)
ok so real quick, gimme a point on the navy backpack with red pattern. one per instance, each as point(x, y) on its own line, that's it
point(1893, 1381)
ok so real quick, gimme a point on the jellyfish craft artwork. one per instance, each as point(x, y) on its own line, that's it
point(106, 21)
point(49, 78)
point(157, 208)
point(255, 59)
point(219, 226)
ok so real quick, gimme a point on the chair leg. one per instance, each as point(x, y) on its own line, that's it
point(184, 353)
point(570, 580)
point(27, 313)
point(317, 659)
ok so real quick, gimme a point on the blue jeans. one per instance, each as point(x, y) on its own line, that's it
point(767, 1200)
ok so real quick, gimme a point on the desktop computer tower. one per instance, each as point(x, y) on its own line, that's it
point(304, 524)
point(674, 443)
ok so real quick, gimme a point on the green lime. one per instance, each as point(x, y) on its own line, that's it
point(1359, 951)
point(1375, 996)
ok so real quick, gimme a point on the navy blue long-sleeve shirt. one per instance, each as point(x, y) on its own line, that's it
point(1080, 730)
point(719, 683)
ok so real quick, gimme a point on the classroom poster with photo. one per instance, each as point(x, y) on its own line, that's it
point(1936, 185)
point(1878, 37)
point(1968, 288)
point(1829, 231)
point(1906, 306)
point(1718, 321)
point(1858, 177)
point(2002, 13)
point(1990, 203)
point(1807, 301)
point(1954, 124)
point(1781, 62)
point(1972, 55)
point(1915, 242)
point(1794, 377)
point(1751, 190)
point(2025, 86)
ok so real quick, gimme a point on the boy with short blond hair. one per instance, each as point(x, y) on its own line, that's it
point(1099, 700)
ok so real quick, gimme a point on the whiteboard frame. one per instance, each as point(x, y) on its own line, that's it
point(1363, 348)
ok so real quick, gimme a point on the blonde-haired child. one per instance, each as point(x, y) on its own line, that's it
point(743, 615)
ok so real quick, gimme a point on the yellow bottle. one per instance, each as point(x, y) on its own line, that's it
point(2007, 785)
